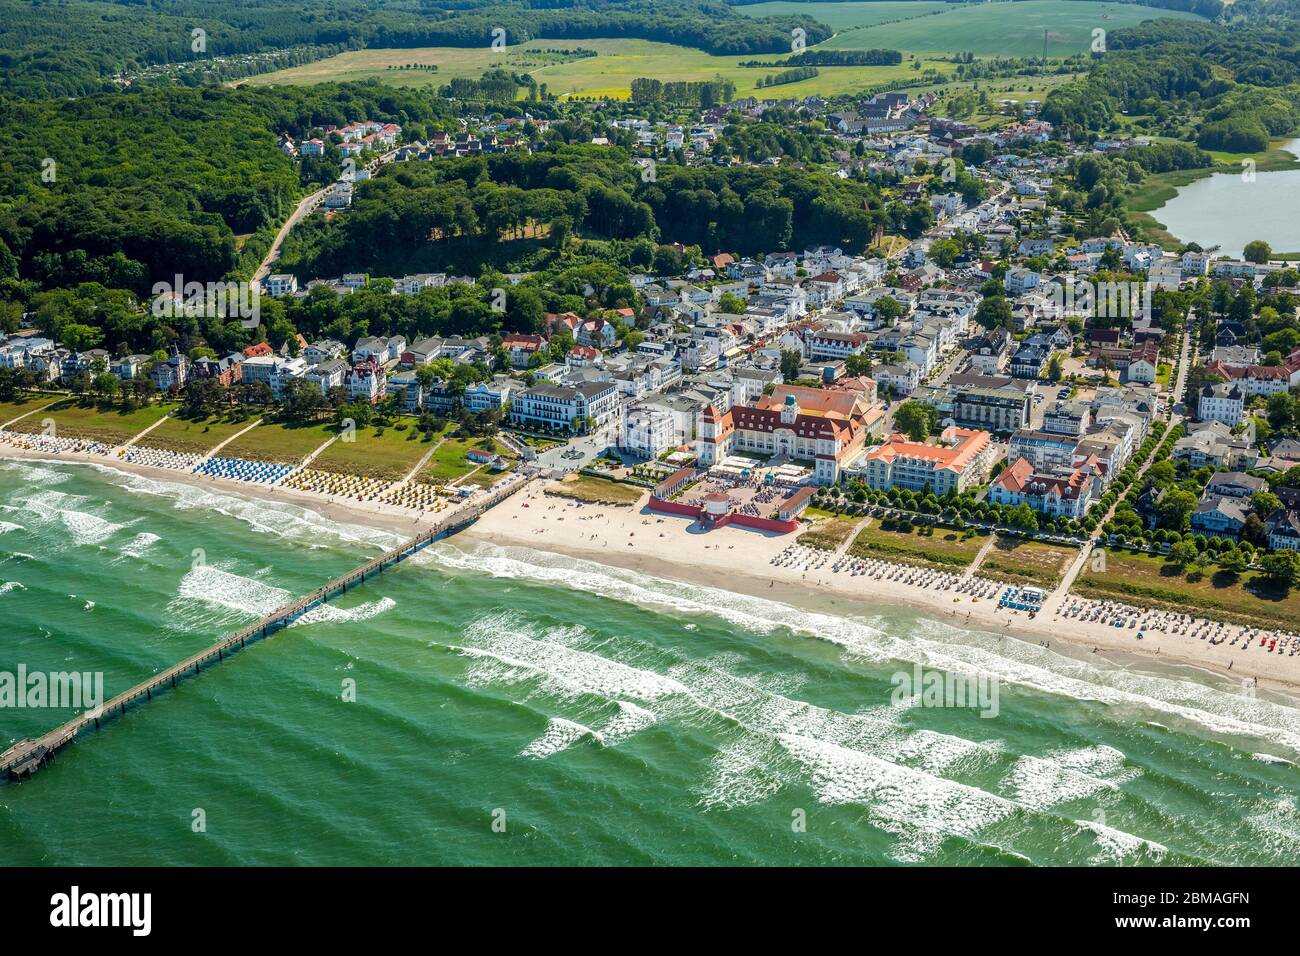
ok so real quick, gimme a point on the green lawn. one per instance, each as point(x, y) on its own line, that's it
point(111, 425)
point(1146, 580)
point(596, 490)
point(449, 462)
point(938, 547)
point(1027, 562)
point(199, 435)
point(285, 444)
point(22, 406)
point(385, 453)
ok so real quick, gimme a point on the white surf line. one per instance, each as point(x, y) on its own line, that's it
point(32, 412)
point(220, 445)
point(117, 452)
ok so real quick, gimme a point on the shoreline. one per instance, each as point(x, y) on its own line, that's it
point(366, 513)
point(674, 548)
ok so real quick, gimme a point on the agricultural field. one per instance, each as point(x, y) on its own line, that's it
point(937, 547)
point(1001, 29)
point(384, 453)
point(1148, 581)
point(610, 74)
point(285, 444)
point(1027, 562)
point(25, 406)
point(451, 461)
point(846, 16)
point(111, 425)
point(197, 435)
point(596, 490)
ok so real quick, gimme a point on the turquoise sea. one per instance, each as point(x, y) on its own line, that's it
point(596, 716)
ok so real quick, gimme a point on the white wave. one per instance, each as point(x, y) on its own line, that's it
point(88, 606)
point(507, 652)
point(758, 615)
point(281, 519)
point(1038, 783)
point(8, 586)
point(560, 735)
point(212, 586)
point(329, 614)
point(920, 808)
point(1270, 758)
point(1276, 823)
point(7, 526)
point(933, 643)
point(1118, 846)
point(629, 720)
point(138, 545)
point(31, 473)
point(83, 527)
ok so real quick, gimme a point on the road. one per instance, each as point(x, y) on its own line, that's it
point(305, 208)
point(1085, 552)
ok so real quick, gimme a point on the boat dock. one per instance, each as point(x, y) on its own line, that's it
point(27, 756)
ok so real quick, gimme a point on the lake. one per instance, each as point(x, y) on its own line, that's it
point(1226, 211)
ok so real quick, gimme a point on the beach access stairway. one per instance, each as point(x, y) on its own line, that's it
point(27, 756)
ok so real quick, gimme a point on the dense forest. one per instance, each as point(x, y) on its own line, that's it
point(75, 47)
point(1229, 90)
point(594, 192)
point(111, 188)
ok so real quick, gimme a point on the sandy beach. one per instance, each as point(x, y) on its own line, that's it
point(737, 559)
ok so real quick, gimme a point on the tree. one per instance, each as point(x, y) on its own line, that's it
point(916, 419)
point(731, 303)
point(791, 361)
point(1281, 411)
point(1233, 561)
point(1257, 251)
point(994, 311)
point(1054, 367)
point(1280, 569)
point(1175, 508)
point(1184, 554)
point(888, 309)
point(1265, 503)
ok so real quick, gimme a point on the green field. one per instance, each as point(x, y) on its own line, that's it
point(193, 435)
point(24, 406)
point(848, 15)
point(285, 444)
point(110, 425)
point(1001, 29)
point(449, 462)
point(943, 548)
point(384, 453)
point(610, 74)
point(1146, 580)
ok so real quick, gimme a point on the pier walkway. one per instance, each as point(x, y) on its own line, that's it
point(28, 756)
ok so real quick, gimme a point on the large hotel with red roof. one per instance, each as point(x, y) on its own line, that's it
point(826, 426)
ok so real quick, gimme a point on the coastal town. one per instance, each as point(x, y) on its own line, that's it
point(1012, 389)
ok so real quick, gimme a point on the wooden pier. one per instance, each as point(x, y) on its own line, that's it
point(27, 756)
